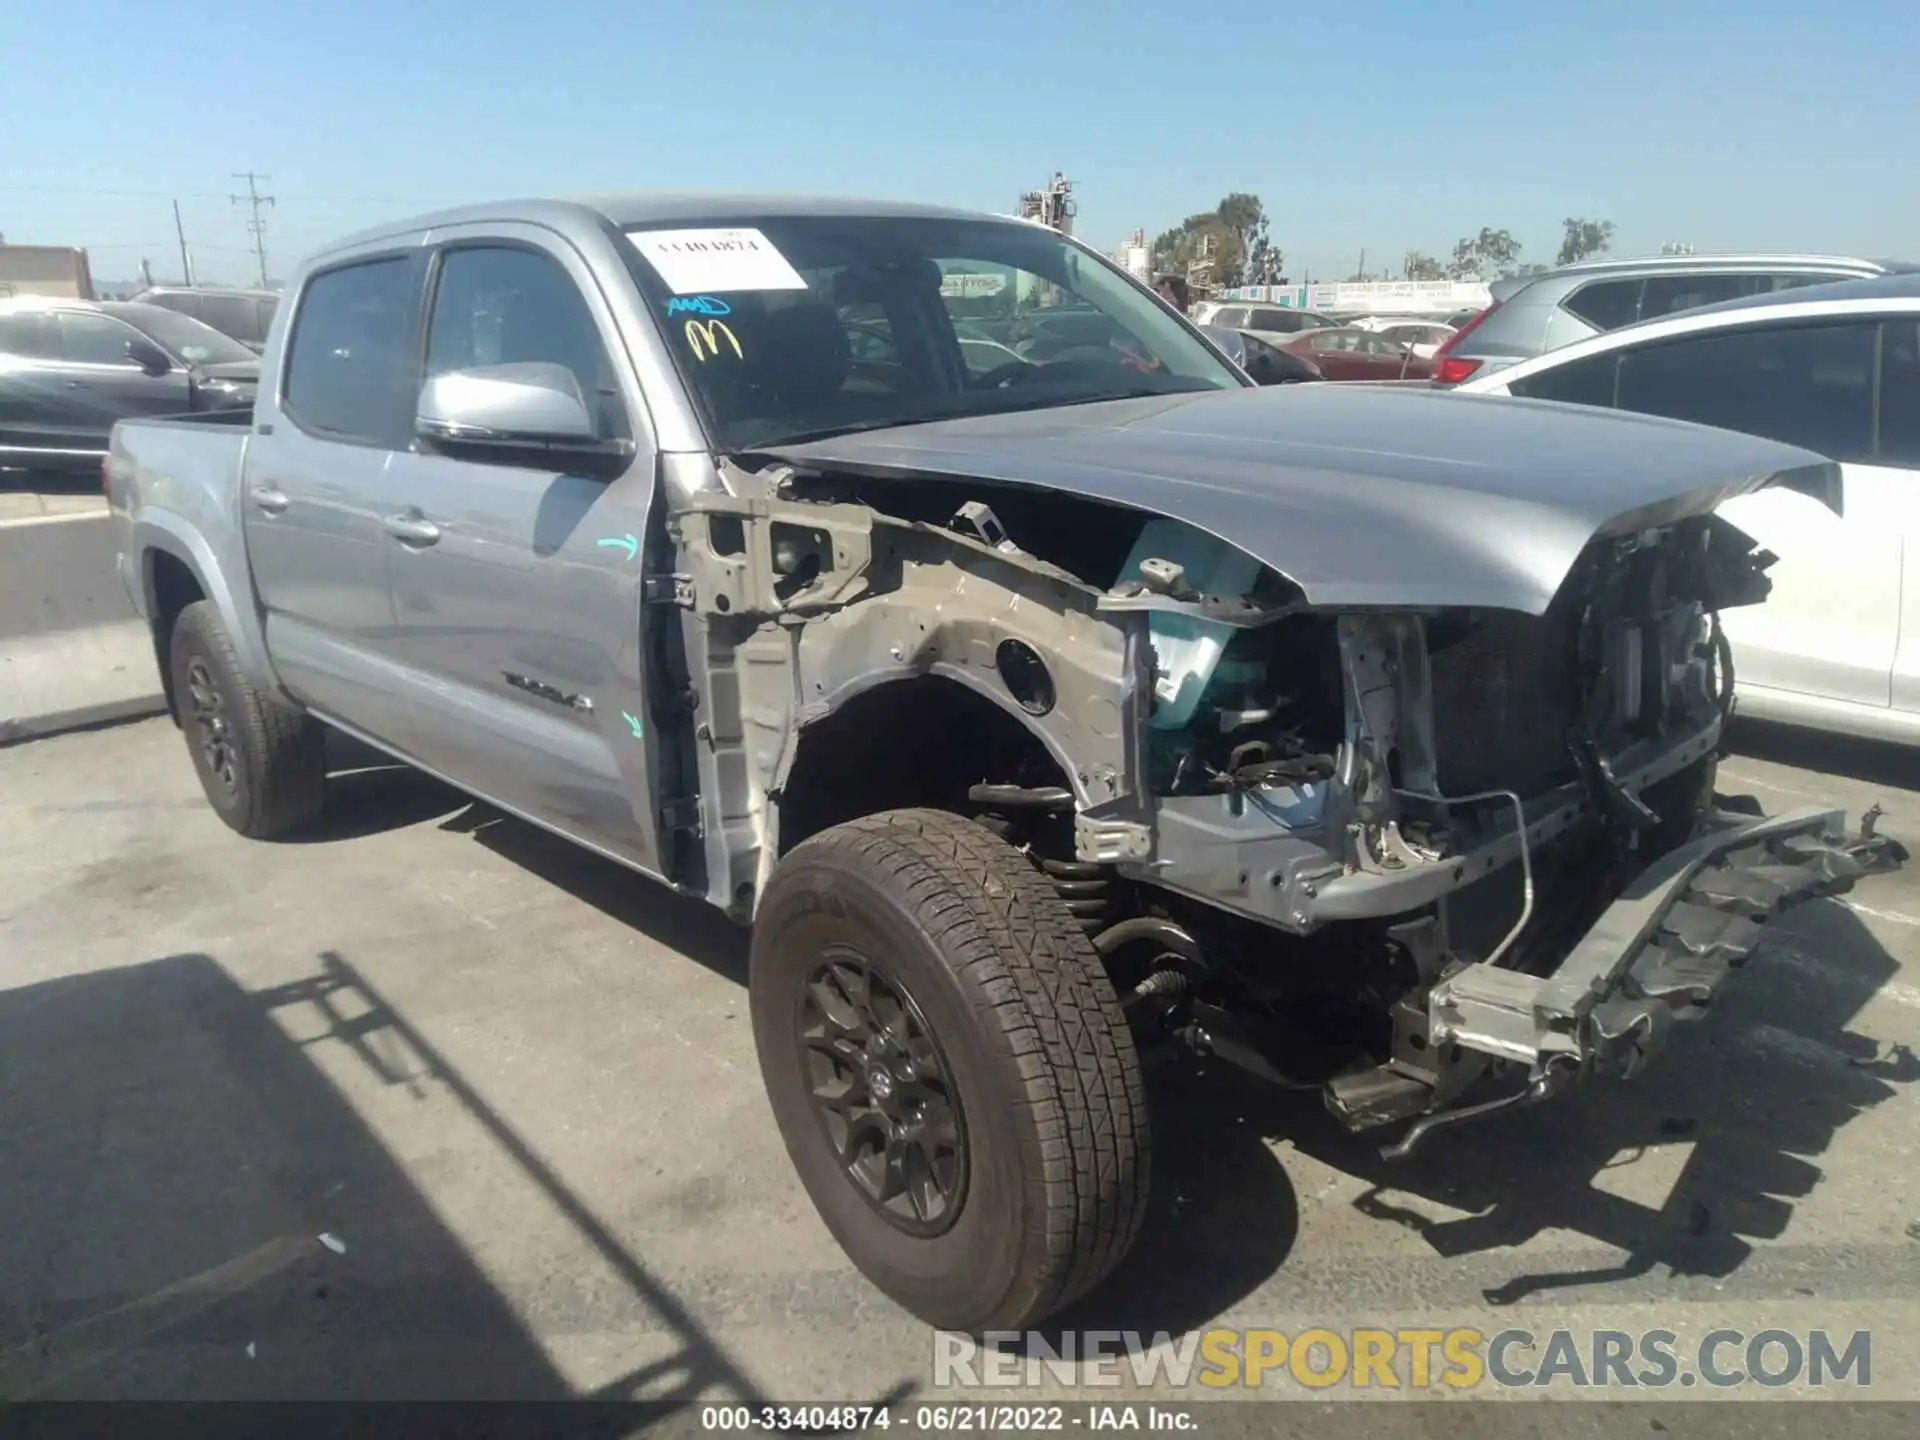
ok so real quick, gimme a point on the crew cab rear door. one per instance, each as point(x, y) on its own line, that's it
point(314, 493)
point(517, 587)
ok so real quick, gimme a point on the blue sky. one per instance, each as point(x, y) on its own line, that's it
point(1386, 126)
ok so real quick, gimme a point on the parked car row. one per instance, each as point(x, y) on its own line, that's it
point(70, 368)
point(1531, 315)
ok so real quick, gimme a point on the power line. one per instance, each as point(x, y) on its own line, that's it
point(256, 226)
point(210, 195)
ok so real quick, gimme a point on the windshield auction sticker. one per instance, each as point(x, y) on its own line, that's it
point(696, 260)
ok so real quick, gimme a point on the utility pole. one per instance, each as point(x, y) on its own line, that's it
point(186, 261)
point(255, 226)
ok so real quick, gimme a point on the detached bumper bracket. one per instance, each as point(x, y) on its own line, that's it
point(1659, 953)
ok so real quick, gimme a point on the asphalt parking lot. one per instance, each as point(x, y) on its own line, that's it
point(514, 1088)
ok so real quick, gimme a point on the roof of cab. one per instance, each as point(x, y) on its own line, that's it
point(632, 211)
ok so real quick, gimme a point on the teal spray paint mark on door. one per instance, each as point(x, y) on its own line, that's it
point(621, 542)
point(633, 723)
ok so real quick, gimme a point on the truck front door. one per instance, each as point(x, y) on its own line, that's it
point(517, 595)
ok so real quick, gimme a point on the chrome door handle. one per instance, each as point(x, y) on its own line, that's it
point(273, 501)
point(412, 529)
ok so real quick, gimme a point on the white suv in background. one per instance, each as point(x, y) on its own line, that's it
point(1835, 369)
point(1533, 314)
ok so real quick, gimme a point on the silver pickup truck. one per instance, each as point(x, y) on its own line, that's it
point(1037, 710)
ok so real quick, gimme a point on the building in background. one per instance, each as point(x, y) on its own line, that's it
point(53, 270)
point(1371, 297)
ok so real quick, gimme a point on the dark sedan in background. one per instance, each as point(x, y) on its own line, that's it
point(70, 368)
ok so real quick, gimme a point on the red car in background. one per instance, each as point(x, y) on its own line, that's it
point(1349, 354)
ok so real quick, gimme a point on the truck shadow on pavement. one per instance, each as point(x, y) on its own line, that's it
point(190, 1210)
point(168, 1164)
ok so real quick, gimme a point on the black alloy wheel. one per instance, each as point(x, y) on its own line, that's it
point(883, 1094)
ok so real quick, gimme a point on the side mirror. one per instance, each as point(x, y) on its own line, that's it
point(528, 413)
point(148, 356)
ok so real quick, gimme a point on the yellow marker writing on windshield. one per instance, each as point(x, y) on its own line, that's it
point(705, 335)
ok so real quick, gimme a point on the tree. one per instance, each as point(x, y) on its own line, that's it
point(1416, 265)
point(1490, 255)
point(1584, 238)
point(1241, 253)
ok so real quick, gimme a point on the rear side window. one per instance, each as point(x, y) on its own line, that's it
point(1585, 382)
point(348, 375)
point(29, 336)
point(1230, 318)
point(179, 303)
point(1671, 294)
point(234, 315)
point(1606, 304)
point(1282, 322)
point(1806, 385)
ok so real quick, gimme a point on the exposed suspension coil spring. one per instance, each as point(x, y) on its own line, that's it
point(1086, 888)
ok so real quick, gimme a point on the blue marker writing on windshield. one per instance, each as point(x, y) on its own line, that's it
point(698, 305)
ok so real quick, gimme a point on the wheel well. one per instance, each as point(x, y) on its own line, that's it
point(920, 743)
point(173, 587)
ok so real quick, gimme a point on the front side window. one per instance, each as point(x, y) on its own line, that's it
point(348, 375)
point(1805, 385)
point(1230, 317)
point(777, 323)
point(501, 305)
point(87, 339)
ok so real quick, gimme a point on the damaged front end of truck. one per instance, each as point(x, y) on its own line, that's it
point(1413, 802)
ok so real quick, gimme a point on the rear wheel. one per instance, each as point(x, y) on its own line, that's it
point(949, 1068)
point(261, 764)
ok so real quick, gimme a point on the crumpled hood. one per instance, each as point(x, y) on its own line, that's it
point(1361, 495)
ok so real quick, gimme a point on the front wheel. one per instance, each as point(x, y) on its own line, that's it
point(950, 1069)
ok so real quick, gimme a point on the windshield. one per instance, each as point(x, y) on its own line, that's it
point(797, 327)
point(186, 337)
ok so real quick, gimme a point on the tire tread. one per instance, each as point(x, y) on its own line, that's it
point(283, 749)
